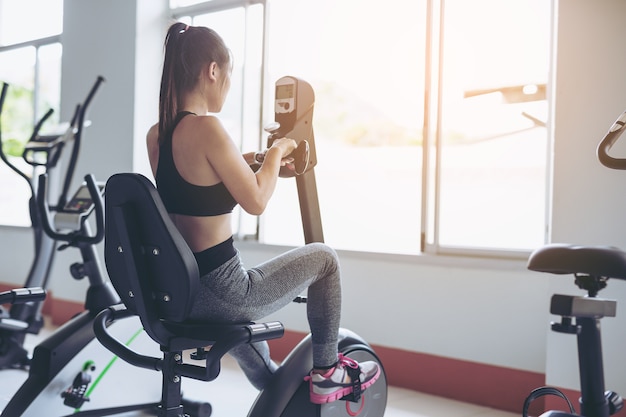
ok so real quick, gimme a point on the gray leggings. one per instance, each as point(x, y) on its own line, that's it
point(232, 293)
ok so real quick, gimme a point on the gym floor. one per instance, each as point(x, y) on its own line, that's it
point(232, 395)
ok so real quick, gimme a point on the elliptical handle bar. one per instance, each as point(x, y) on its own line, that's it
point(82, 110)
point(73, 236)
point(91, 94)
point(3, 94)
point(608, 141)
point(40, 123)
point(5, 159)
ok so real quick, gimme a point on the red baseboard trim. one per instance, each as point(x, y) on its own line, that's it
point(476, 383)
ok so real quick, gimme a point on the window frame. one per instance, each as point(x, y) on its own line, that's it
point(433, 145)
point(211, 6)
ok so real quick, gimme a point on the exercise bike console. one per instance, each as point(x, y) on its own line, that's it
point(293, 112)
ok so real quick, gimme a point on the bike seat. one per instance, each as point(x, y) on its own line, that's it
point(597, 261)
point(156, 275)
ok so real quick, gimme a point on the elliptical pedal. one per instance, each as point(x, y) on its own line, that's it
point(74, 396)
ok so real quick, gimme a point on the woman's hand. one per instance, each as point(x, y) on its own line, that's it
point(283, 145)
point(286, 145)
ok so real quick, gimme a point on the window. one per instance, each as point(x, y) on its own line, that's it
point(28, 20)
point(30, 62)
point(365, 62)
point(430, 117)
point(488, 140)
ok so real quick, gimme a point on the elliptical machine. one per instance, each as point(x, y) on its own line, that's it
point(144, 253)
point(65, 366)
point(61, 365)
point(592, 267)
point(42, 152)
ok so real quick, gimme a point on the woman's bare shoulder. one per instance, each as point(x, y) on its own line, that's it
point(208, 131)
point(207, 122)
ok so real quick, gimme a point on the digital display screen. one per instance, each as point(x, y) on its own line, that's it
point(81, 202)
point(79, 205)
point(284, 91)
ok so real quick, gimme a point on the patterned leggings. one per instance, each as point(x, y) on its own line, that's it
point(232, 293)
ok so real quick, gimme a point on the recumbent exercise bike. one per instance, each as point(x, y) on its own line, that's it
point(155, 274)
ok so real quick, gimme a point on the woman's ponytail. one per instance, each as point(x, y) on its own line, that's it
point(187, 50)
point(168, 97)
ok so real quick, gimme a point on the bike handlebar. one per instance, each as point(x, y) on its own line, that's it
point(224, 338)
point(607, 143)
point(72, 236)
point(22, 295)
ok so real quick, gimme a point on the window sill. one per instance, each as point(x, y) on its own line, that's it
point(455, 260)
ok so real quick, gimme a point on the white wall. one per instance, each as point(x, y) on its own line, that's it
point(485, 311)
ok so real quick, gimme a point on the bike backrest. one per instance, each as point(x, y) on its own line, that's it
point(148, 261)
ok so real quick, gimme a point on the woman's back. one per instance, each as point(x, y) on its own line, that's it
point(194, 195)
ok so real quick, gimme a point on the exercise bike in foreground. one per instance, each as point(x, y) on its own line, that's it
point(592, 267)
point(156, 274)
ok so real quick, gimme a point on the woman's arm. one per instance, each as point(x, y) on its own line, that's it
point(252, 190)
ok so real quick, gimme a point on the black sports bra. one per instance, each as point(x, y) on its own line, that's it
point(182, 197)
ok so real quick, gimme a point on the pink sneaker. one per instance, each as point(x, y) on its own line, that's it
point(342, 380)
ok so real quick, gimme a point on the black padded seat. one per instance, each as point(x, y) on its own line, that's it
point(156, 276)
point(596, 261)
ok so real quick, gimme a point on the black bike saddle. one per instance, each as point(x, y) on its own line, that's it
point(596, 261)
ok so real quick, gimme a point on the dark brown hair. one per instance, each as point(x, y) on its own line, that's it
point(188, 49)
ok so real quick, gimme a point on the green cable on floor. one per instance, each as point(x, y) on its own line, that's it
point(107, 367)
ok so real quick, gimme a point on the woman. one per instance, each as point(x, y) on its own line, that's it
point(201, 177)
